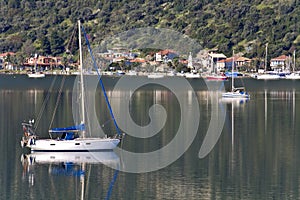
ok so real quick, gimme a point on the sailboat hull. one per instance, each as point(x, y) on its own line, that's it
point(36, 75)
point(79, 144)
point(235, 95)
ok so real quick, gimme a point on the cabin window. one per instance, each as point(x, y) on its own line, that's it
point(52, 144)
point(88, 143)
point(77, 143)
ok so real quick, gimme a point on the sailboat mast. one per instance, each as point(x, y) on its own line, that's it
point(266, 57)
point(81, 75)
point(232, 70)
point(294, 67)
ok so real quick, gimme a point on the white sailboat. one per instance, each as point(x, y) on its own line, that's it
point(69, 138)
point(294, 75)
point(35, 73)
point(235, 92)
point(267, 75)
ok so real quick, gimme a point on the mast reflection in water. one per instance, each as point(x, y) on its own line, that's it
point(256, 159)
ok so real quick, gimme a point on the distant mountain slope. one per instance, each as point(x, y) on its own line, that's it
point(46, 26)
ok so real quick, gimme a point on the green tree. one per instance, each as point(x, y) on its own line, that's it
point(56, 43)
point(45, 46)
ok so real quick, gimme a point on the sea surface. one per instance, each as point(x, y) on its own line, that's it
point(255, 155)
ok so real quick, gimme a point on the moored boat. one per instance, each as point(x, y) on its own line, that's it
point(216, 77)
point(235, 92)
point(71, 138)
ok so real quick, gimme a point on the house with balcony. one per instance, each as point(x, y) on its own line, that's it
point(280, 63)
point(242, 62)
point(239, 63)
point(44, 62)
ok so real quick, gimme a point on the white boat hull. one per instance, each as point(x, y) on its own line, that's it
point(78, 144)
point(267, 77)
point(36, 75)
point(292, 76)
point(131, 73)
point(216, 78)
point(192, 75)
point(236, 95)
point(155, 76)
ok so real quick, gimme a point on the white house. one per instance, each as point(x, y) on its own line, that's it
point(213, 59)
point(279, 62)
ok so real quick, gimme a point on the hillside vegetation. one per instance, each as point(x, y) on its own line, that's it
point(46, 26)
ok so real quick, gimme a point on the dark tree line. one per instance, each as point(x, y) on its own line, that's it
point(46, 27)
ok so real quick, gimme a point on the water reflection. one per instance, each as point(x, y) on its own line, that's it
point(256, 157)
point(234, 104)
point(69, 164)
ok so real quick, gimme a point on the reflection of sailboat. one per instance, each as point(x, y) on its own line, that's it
point(109, 158)
point(234, 103)
point(235, 92)
point(71, 164)
point(67, 139)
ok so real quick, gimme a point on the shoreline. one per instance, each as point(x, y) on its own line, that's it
point(113, 74)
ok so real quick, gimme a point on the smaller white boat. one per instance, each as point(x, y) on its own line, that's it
point(293, 76)
point(36, 75)
point(235, 92)
point(131, 73)
point(181, 74)
point(192, 75)
point(155, 75)
point(267, 76)
point(216, 77)
point(120, 72)
point(171, 73)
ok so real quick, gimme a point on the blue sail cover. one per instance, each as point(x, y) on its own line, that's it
point(80, 127)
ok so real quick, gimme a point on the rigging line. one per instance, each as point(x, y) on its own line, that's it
point(100, 81)
point(111, 185)
point(71, 41)
point(86, 192)
point(44, 104)
point(57, 101)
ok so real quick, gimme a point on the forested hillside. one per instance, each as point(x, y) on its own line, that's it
point(46, 26)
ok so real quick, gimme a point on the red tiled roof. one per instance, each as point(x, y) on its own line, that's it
point(281, 58)
point(243, 59)
point(6, 53)
point(165, 52)
point(138, 60)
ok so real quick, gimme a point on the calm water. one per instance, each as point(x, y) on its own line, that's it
point(256, 156)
